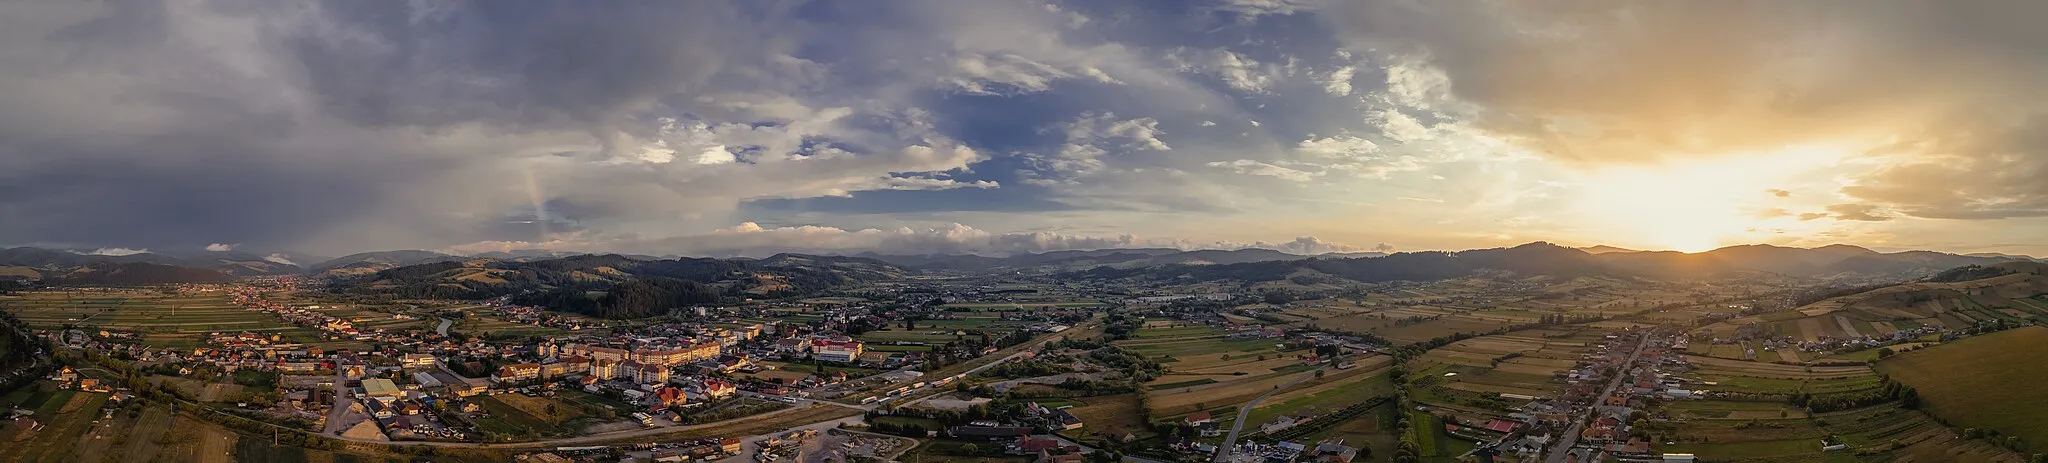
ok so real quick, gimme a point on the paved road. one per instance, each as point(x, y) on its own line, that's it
point(341, 401)
point(1029, 348)
point(443, 329)
point(1245, 411)
point(1571, 436)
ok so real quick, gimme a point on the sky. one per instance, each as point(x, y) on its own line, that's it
point(997, 126)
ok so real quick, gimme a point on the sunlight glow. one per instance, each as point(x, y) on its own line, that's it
point(1701, 204)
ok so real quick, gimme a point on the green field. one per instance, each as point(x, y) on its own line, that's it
point(1986, 381)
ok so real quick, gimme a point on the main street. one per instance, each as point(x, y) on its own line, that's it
point(1571, 436)
point(1245, 411)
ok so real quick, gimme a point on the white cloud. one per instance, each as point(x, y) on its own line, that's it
point(114, 252)
point(754, 240)
point(220, 247)
point(1338, 82)
point(1251, 167)
point(716, 154)
point(1005, 73)
point(1091, 136)
point(280, 258)
point(1339, 147)
point(1208, 123)
point(1252, 9)
point(1237, 70)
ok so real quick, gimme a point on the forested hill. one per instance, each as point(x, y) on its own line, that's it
point(618, 286)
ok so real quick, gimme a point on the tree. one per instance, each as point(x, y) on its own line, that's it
point(970, 449)
point(1885, 353)
point(1319, 374)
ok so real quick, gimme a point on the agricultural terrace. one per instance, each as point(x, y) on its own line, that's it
point(2013, 298)
point(164, 319)
point(67, 416)
point(1207, 369)
point(1759, 431)
point(1476, 371)
point(1751, 377)
point(1989, 381)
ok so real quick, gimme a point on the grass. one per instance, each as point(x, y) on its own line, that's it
point(1197, 382)
point(63, 429)
point(1113, 411)
point(1350, 391)
point(1175, 332)
point(1953, 380)
point(520, 411)
point(926, 423)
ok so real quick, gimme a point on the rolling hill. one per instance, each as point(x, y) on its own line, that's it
point(612, 285)
point(1959, 298)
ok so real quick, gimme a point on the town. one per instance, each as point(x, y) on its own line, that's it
point(967, 368)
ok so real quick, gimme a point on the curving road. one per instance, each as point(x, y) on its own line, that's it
point(1244, 412)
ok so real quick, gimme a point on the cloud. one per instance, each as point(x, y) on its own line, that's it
point(1383, 247)
point(1920, 92)
point(220, 247)
point(982, 74)
point(1309, 246)
point(1338, 82)
point(1252, 9)
point(1091, 136)
point(1858, 212)
point(1238, 71)
point(114, 252)
point(1339, 147)
point(357, 126)
point(280, 258)
point(1251, 167)
point(754, 240)
point(1778, 193)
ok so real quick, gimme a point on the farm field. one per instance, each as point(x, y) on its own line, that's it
point(1020, 305)
point(1952, 380)
point(1336, 390)
point(1206, 370)
point(1885, 432)
point(169, 320)
point(1522, 363)
point(68, 418)
point(1374, 429)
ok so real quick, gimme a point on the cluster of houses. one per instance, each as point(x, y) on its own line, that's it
point(1327, 451)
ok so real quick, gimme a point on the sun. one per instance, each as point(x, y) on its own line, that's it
point(1695, 205)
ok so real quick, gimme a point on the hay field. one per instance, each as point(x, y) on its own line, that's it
point(1953, 380)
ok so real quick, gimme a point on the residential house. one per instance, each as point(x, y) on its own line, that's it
point(417, 361)
point(516, 372)
point(831, 350)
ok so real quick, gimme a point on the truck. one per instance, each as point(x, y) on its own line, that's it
point(645, 419)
